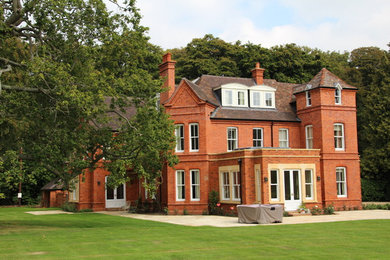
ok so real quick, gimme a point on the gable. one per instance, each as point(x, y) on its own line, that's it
point(184, 96)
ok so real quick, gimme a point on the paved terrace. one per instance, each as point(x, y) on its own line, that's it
point(221, 221)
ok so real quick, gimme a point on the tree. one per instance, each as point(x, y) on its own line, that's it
point(66, 58)
point(370, 71)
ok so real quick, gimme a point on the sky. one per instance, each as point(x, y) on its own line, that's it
point(334, 25)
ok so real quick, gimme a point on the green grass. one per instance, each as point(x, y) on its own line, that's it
point(92, 235)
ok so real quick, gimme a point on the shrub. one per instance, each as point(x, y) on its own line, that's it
point(286, 214)
point(373, 190)
point(214, 208)
point(165, 210)
point(329, 210)
point(185, 212)
point(316, 210)
point(85, 210)
point(69, 207)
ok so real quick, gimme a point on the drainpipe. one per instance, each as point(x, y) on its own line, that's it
point(239, 169)
point(272, 134)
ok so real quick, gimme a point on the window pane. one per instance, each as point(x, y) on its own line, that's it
point(256, 98)
point(120, 191)
point(110, 193)
point(274, 177)
point(296, 185)
point(287, 186)
point(268, 99)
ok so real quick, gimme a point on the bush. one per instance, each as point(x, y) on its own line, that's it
point(69, 207)
point(316, 210)
point(329, 210)
point(213, 201)
point(373, 190)
point(85, 210)
point(376, 206)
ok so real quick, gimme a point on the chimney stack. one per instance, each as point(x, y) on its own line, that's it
point(167, 71)
point(257, 74)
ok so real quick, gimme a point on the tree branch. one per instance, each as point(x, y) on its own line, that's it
point(12, 62)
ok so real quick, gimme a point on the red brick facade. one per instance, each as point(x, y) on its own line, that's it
point(320, 176)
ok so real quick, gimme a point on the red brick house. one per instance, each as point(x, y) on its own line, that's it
point(253, 140)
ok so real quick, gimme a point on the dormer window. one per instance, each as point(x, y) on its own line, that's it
point(238, 95)
point(337, 94)
point(234, 95)
point(308, 98)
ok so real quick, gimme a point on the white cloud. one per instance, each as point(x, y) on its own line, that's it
point(324, 24)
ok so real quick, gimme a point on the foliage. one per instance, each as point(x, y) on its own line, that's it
point(316, 210)
point(66, 58)
point(69, 207)
point(370, 71)
point(213, 202)
point(372, 190)
point(185, 211)
point(329, 210)
point(285, 63)
point(376, 206)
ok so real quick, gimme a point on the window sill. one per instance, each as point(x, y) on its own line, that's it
point(231, 201)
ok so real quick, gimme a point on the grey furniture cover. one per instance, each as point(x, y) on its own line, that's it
point(260, 213)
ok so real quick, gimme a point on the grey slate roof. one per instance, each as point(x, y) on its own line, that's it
point(324, 78)
point(204, 87)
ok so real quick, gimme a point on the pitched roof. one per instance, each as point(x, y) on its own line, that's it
point(53, 185)
point(324, 78)
point(205, 85)
point(115, 116)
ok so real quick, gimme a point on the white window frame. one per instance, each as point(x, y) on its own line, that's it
point(310, 184)
point(179, 138)
point(342, 137)
point(194, 137)
point(309, 139)
point(235, 183)
point(308, 98)
point(195, 185)
point(231, 97)
point(276, 184)
point(226, 185)
point(337, 95)
point(287, 136)
point(241, 102)
point(258, 139)
point(341, 183)
point(179, 185)
point(232, 139)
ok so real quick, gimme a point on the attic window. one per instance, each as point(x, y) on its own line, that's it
point(337, 94)
point(234, 97)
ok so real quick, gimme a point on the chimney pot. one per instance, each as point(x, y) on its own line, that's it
point(167, 71)
point(257, 74)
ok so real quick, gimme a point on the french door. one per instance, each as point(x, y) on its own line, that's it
point(292, 189)
point(115, 197)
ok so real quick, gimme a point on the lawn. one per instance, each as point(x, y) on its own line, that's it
point(92, 235)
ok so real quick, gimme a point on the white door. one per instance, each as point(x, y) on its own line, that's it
point(115, 197)
point(292, 190)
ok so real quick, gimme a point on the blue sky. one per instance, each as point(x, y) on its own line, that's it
point(326, 24)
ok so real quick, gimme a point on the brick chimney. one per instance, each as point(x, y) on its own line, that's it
point(167, 72)
point(257, 74)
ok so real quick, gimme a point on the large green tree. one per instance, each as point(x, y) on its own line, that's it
point(60, 61)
